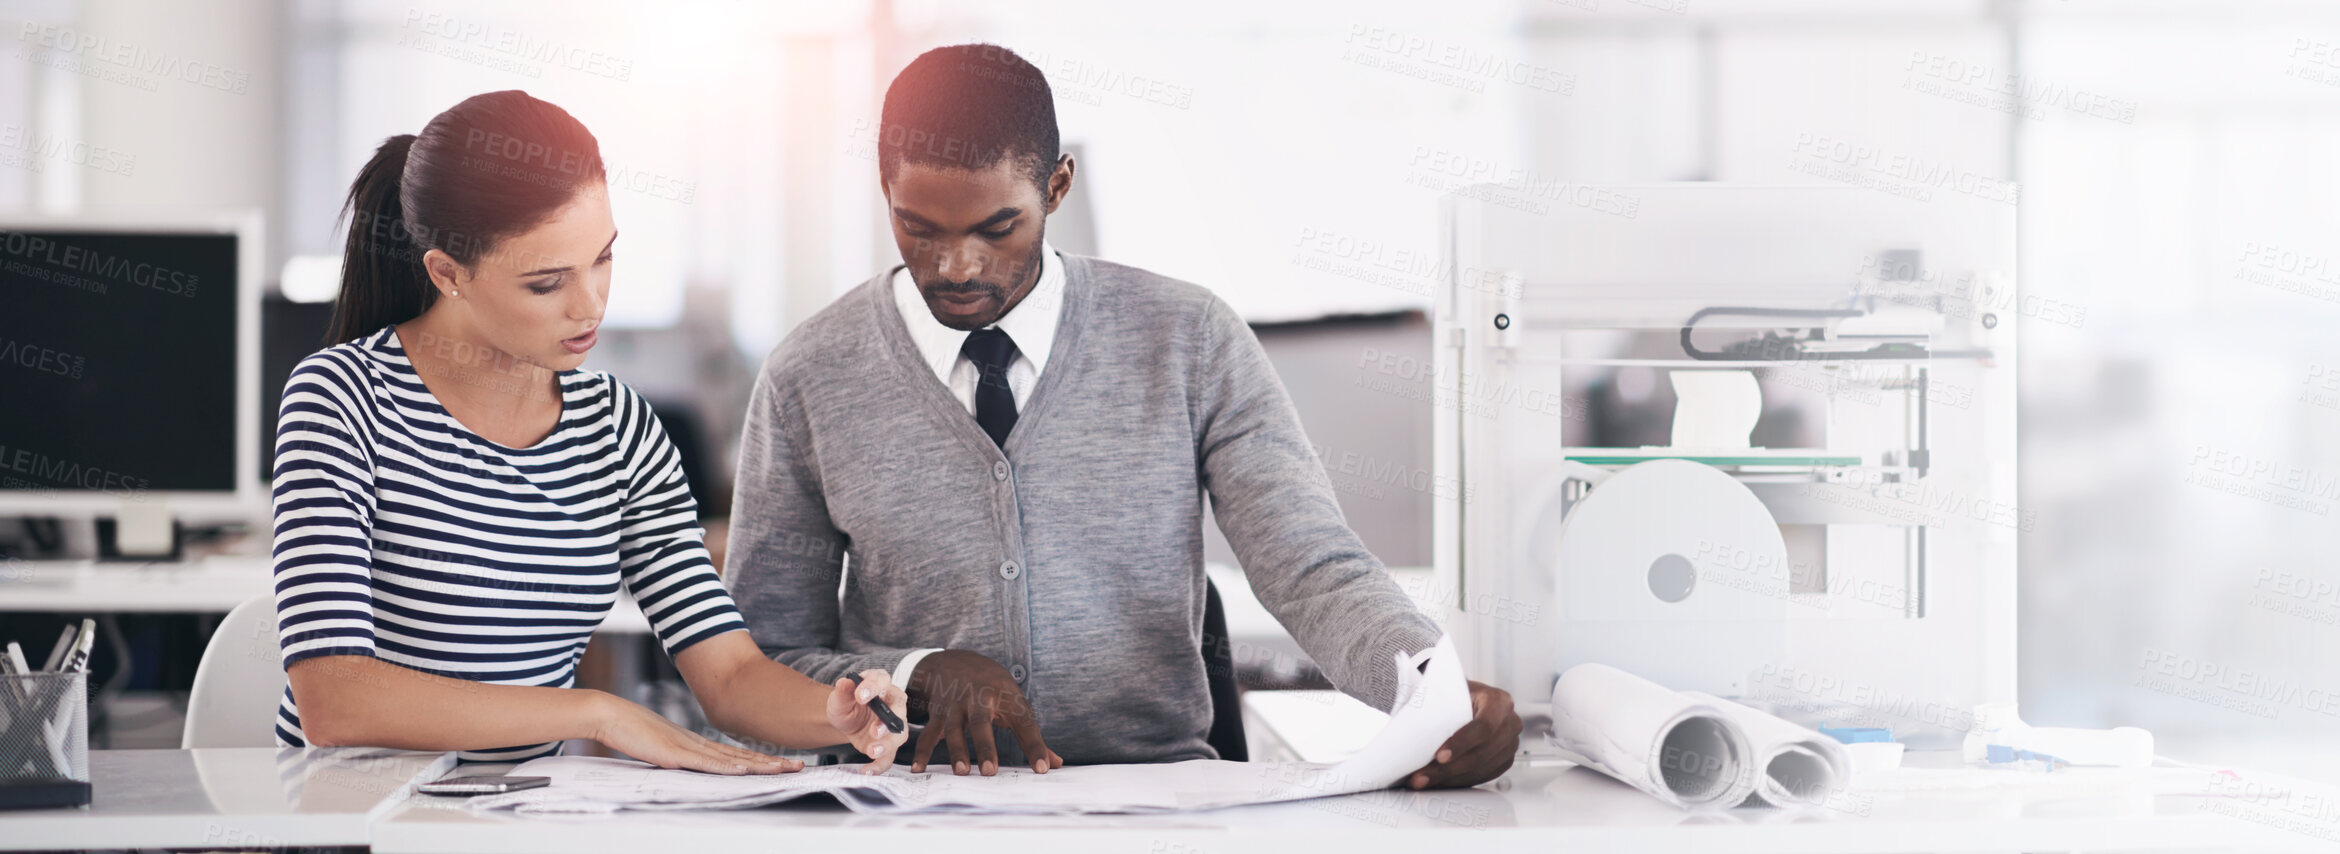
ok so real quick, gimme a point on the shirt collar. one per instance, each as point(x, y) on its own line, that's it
point(1032, 323)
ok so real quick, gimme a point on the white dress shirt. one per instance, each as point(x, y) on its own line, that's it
point(1031, 325)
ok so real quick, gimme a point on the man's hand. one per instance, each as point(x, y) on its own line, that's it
point(963, 695)
point(1481, 751)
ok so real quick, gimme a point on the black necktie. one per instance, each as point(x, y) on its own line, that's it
point(995, 406)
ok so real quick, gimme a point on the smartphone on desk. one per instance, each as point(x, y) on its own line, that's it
point(482, 785)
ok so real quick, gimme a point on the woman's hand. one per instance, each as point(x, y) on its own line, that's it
point(849, 713)
point(643, 734)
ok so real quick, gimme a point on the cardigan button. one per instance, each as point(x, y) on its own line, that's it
point(999, 470)
point(1017, 673)
point(1009, 570)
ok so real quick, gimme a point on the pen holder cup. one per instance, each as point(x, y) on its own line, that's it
point(44, 730)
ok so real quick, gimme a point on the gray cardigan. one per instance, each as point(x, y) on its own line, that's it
point(1075, 558)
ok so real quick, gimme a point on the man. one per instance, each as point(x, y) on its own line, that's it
point(1010, 448)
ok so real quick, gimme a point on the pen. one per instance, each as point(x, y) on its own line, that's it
point(57, 653)
point(78, 662)
point(877, 705)
point(13, 664)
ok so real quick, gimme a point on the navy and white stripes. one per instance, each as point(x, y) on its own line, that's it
point(403, 536)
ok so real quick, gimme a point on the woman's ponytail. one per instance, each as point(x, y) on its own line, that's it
point(382, 279)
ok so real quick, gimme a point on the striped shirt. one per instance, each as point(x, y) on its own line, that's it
point(403, 536)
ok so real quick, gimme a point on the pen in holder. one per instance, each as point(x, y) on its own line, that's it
point(44, 740)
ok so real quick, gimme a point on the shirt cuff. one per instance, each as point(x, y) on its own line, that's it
point(901, 674)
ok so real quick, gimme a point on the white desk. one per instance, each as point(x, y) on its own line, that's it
point(1536, 809)
point(211, 585)
point(208, 586)
point(262, 797)
point(242, 797)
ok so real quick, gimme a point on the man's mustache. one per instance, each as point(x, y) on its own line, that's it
point(968, 288)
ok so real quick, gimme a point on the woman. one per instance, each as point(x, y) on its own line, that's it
point(457, 502)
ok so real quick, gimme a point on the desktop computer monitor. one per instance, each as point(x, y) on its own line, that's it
point(129, 366)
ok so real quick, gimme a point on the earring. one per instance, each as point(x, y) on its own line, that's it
point(454, 293)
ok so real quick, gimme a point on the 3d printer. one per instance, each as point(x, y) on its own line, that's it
point(1755, 441)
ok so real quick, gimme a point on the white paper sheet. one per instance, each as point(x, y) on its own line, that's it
point(1316, 726)
point(1432, 703)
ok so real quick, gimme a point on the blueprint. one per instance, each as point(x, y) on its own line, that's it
point(1432, 702)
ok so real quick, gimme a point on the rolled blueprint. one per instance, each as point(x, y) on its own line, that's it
point(1680, 750)
point(1797, 766)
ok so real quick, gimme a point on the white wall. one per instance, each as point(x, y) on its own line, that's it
point(198, 111)
point(2178, 218)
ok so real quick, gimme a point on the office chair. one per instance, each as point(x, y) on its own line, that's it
point(239, 681)
point(1226, 734)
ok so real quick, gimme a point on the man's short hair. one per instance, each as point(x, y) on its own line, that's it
point(969, 106)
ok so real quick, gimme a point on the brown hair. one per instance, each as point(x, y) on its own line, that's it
point(490, 167)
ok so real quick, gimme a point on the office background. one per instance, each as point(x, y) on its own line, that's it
point(2175, 161)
